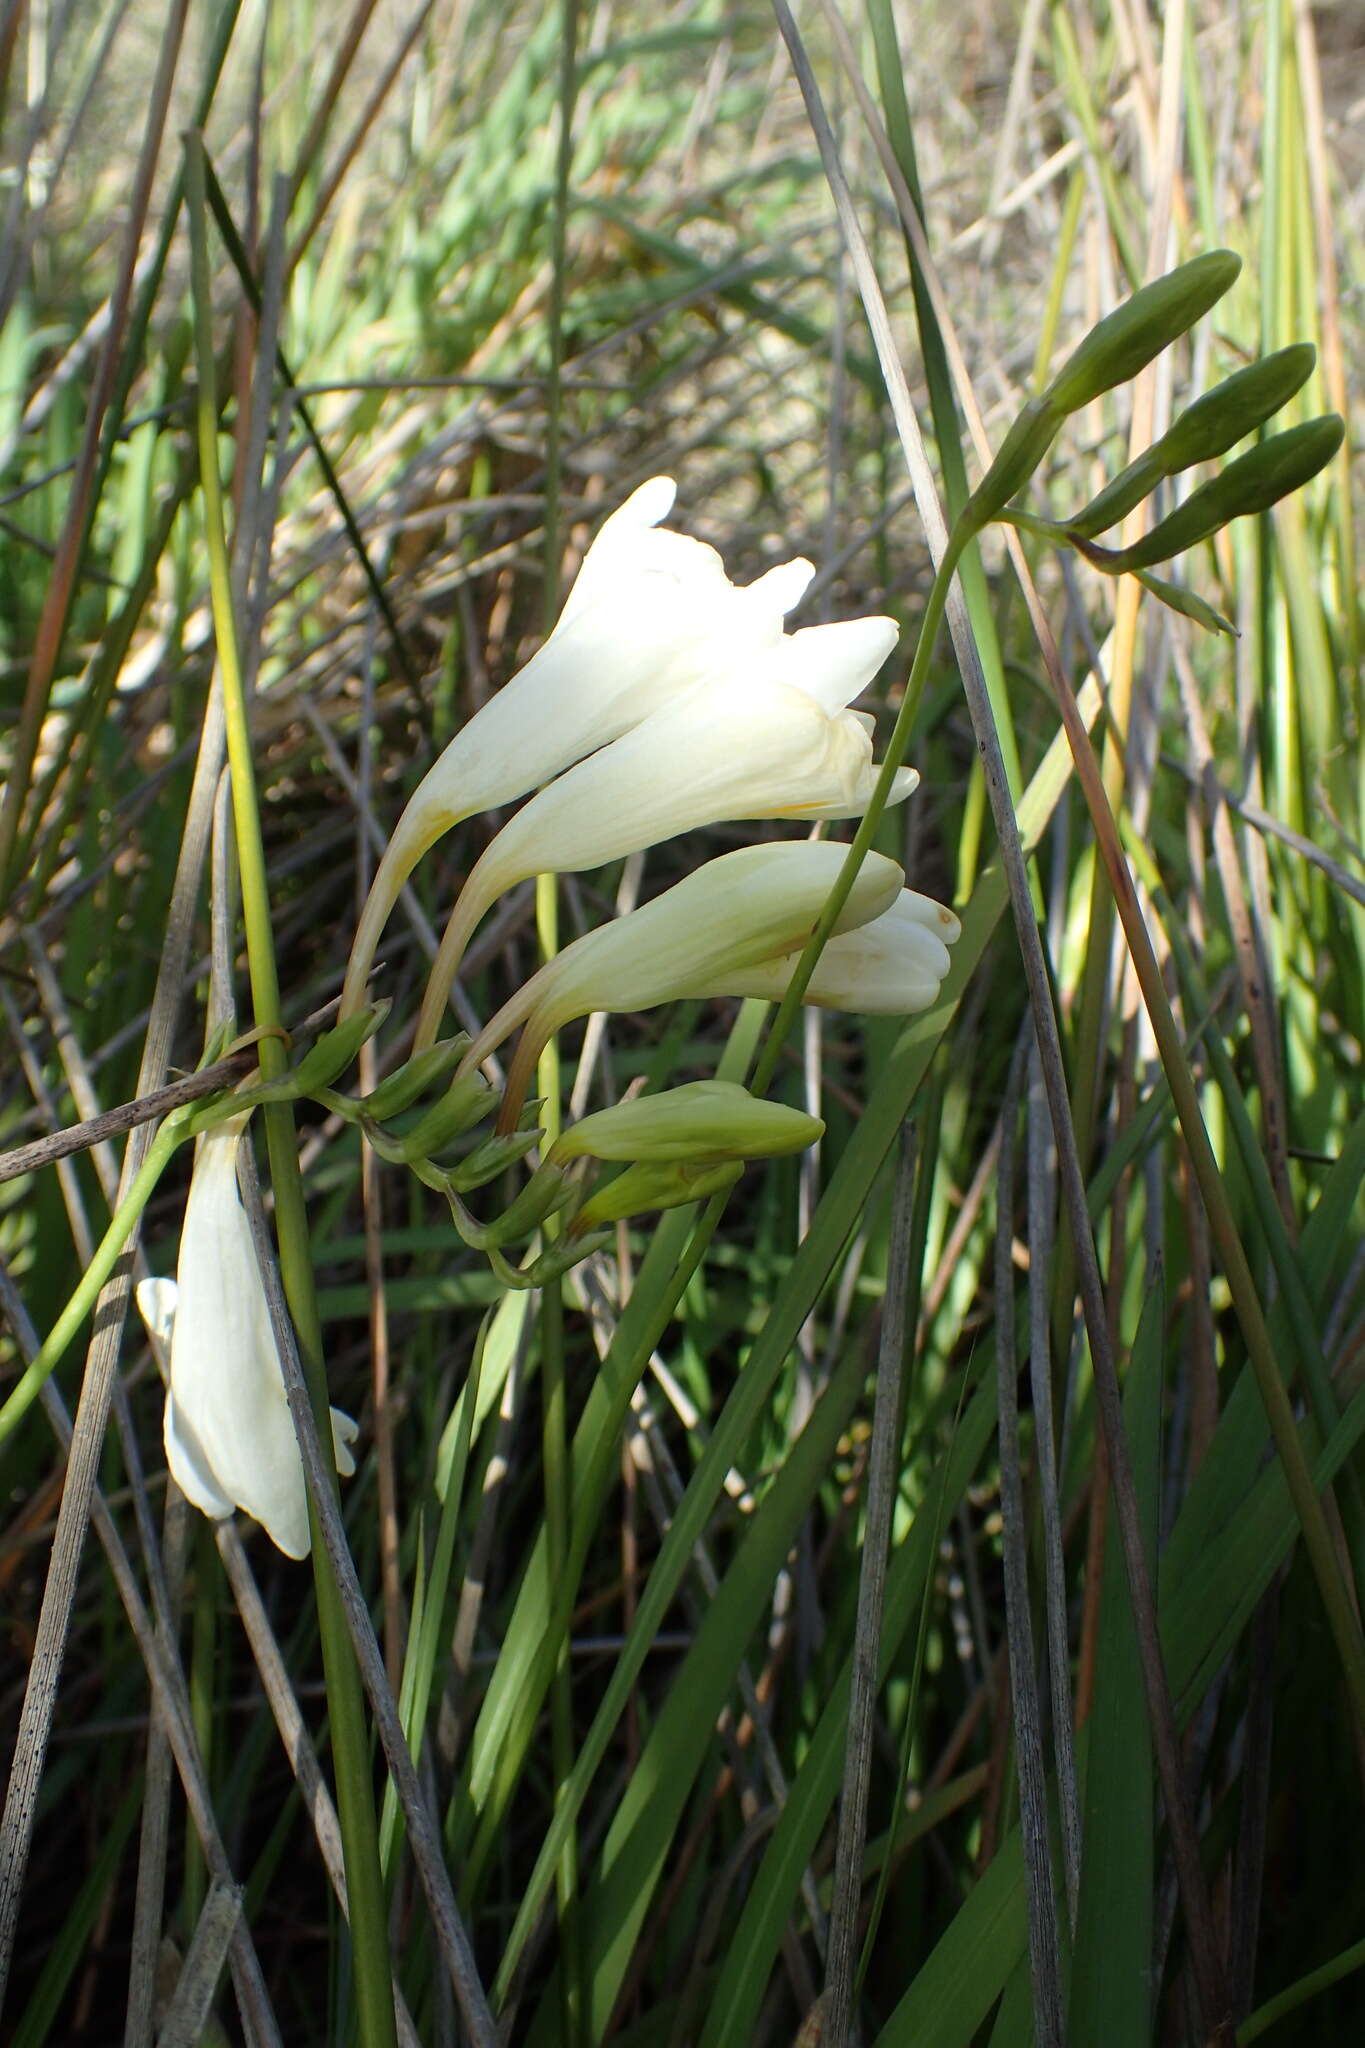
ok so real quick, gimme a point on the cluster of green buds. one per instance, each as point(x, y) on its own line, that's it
point(432, 1117)
point(1121, 345)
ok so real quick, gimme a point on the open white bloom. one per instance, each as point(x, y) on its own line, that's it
point(891, 966)
point(775, 742)
point(651, 612)
point(229, 1436)
point(701, 937)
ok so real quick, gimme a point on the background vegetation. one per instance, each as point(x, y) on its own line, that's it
point(404, 442)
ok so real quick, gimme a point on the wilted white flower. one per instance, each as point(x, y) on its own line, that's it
point(777, 741)
point(229, 1436)
point(651, 612)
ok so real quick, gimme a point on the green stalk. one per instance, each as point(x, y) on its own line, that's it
point(350, 1741)
point(554, 1420)
point(121, 1225)
point(962, 534)
point(202, 1658)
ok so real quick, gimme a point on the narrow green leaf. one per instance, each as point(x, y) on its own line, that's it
point(637, 1844)
point(971, 1964)
point(733, 2013)
point(1111, 1989)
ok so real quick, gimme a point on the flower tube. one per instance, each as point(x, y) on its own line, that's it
point(701, 936)
point(891, 966)
point(229, 1436)
point(650, 613)
point(778, 743)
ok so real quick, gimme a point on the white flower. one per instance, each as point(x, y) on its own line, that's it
point(701, 937)
point(650, 613)
point(890, 966)
point(229, 1436)
point(774, 742)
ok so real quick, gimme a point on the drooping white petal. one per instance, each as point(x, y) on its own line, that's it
point(228, 1433)
point(156, 1299)
point(345, 1430)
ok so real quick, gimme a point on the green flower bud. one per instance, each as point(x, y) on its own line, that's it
point(1212, 425)
point(1253, 483)
point(656, 1185)
point(702, 1120)
point(1136, 332)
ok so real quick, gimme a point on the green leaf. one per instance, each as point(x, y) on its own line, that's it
point(636, 1849)
point(732, 2018)
point(1111, 1988)
point(971, 1963)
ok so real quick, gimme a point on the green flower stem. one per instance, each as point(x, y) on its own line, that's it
point(35, 1375)
point(350, 1741)
point(555, 1463)
point(554, 1425)
point(963, 533)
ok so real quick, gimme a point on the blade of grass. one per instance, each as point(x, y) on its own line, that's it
point(1111, 1975)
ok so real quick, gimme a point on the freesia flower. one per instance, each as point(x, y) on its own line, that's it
point(650, 613)
point(229, 1436)
point(777, 742)
point(891, 966)
point(699, 937)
